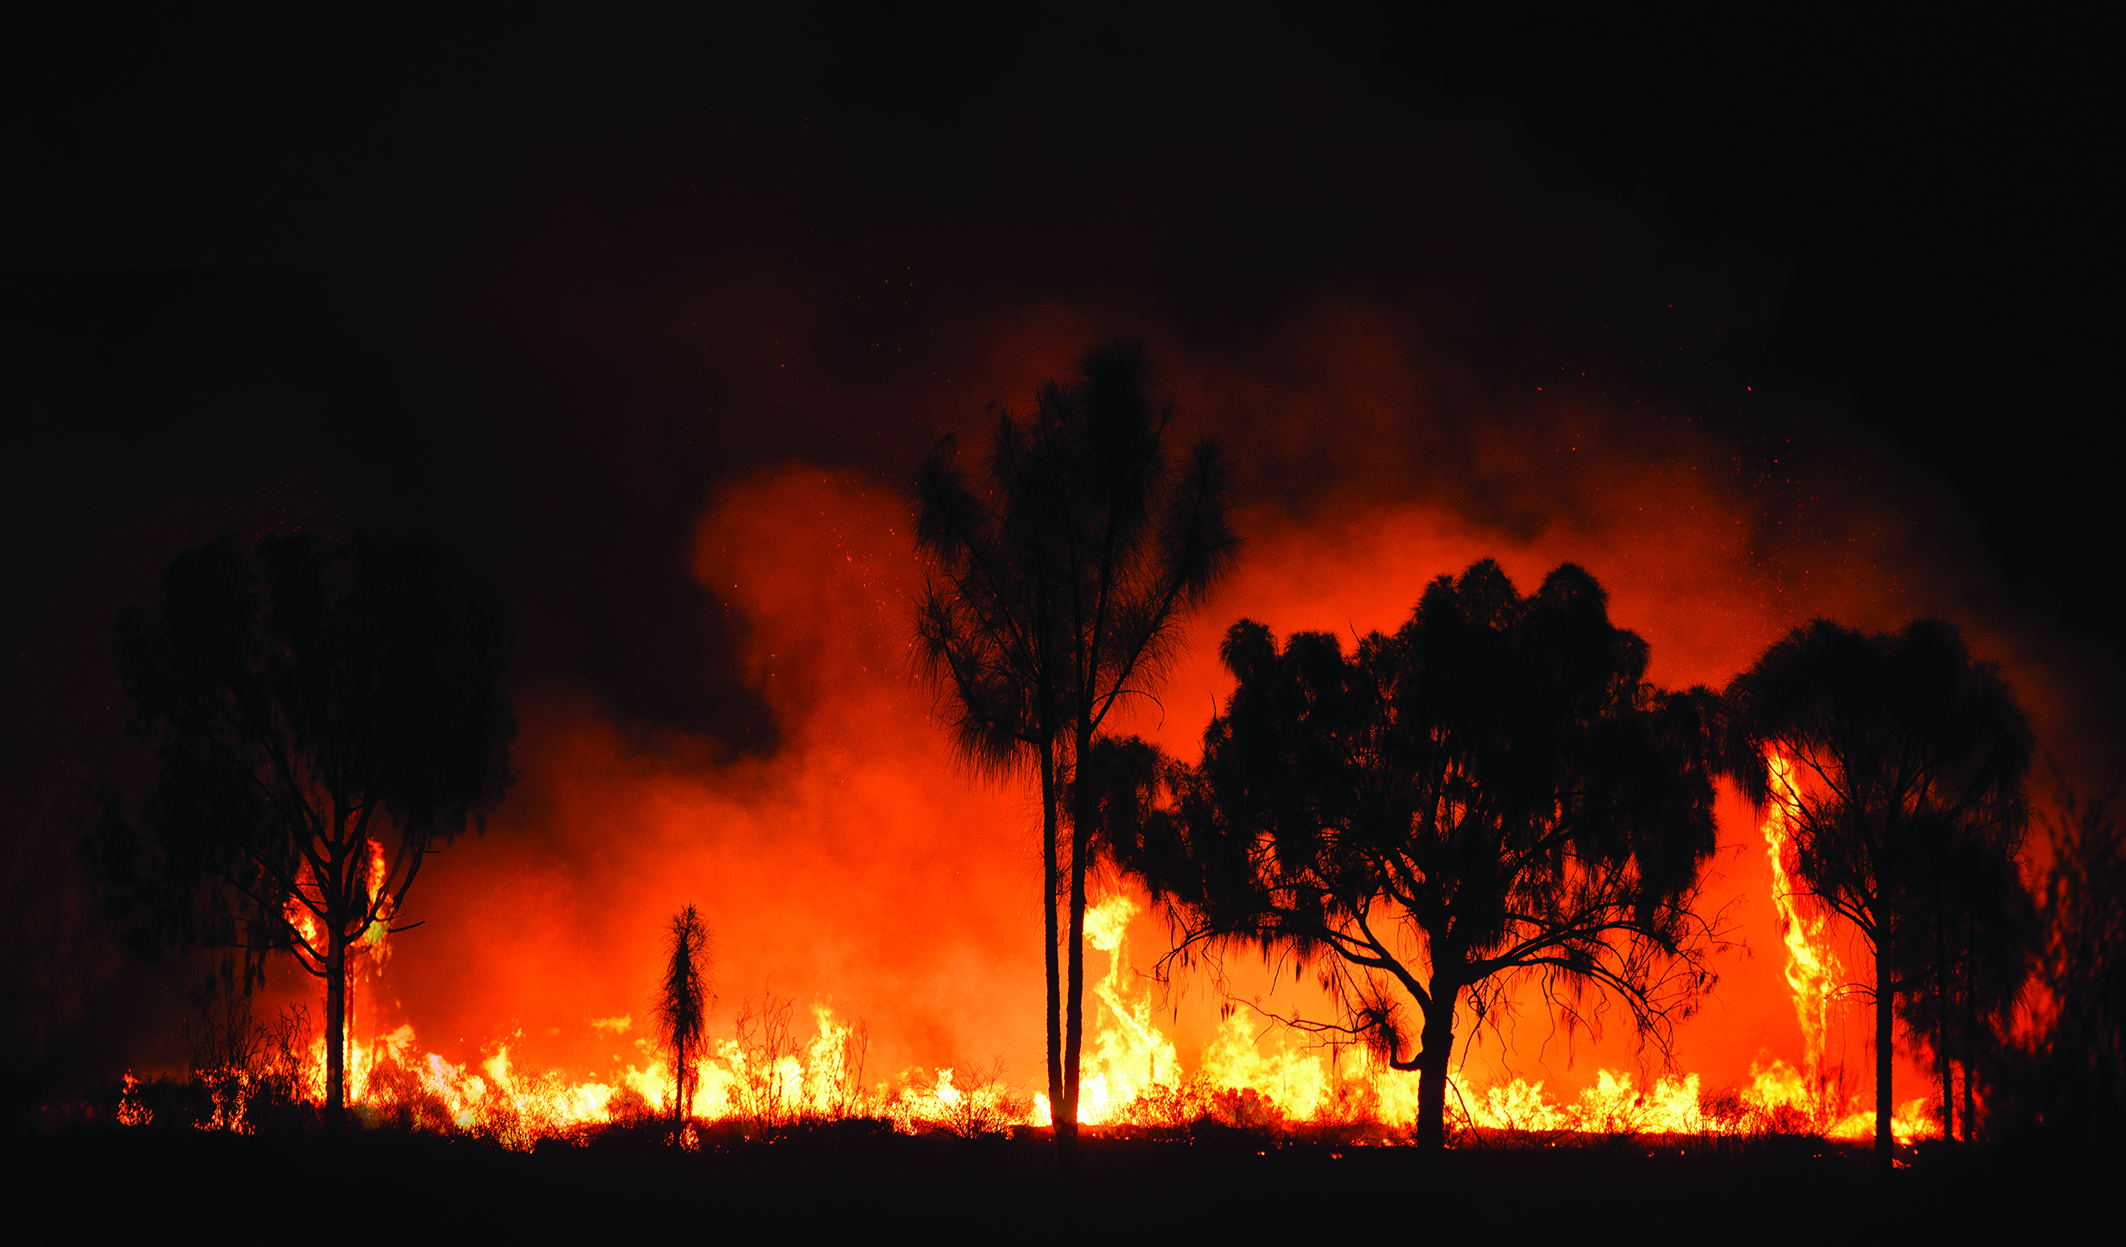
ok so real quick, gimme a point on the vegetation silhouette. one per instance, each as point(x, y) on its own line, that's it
point(2072, 1080)
point(683, 1003)
point(1908, 758)
point(1969, 937)
point(767, 1101)
point(1059, 579)
point(324, 716)
point(1491, 792)
point(250, 1070)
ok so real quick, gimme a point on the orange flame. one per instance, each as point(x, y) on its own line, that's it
point(1133, 1077)
point(1812, 969)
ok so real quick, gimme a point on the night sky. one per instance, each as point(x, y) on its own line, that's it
point(577, 300)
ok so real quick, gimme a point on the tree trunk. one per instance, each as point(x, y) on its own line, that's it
point(1074, 998)
point(1432, 1065)
point(1058, 1106)
point(1968, 1046)
point(1941, 1031)
point(1885, 1142)
point(335, 1024)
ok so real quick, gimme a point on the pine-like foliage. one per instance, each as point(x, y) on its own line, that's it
point(683, 1005)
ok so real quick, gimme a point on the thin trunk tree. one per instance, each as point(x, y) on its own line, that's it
point(325, 716)
point(1902, 747)
point(1059, 580)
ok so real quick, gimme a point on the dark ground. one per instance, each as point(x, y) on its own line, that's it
point(385, 1185)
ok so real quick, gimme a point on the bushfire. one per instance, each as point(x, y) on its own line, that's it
point(769, 1075)
point(851, 859)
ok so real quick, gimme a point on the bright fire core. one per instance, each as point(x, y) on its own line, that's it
point(1252, 1074)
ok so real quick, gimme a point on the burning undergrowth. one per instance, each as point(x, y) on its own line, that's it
point(776, 1075)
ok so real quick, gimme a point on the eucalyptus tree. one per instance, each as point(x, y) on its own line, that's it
point(1060, 573)
point(325, 716)
point(1493, 794)
point(1897, 747)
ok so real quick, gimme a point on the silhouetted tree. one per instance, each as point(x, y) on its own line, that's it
point(1491, 793)
point(683, 1006)
point(324, 715)
point(2077, 1088)
point(1969, 936)
point(1060, 579)
point(1902, 746)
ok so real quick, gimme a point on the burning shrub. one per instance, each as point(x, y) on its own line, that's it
point(629, 1108)
point(1244, 1108)
point(399, 1099)
point(160, 1102)
point(1163, 1111)
point(767, 1079)
point(250, 1072)
point(280, 1098)
point(987, 1105)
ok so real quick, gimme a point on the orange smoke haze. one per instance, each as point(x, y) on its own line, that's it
point(652, 321)
point(857, 865)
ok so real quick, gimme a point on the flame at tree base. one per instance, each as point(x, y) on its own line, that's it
point(765, 1080)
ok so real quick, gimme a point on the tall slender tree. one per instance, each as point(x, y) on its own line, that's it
point(1970, 943)
point(1902, 746)
point(1492, 793)
point(325, 716)
point(1059, 579)
point(683, 1003)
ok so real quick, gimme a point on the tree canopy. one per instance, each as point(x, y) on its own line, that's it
point(324, 715)
point(1492, 792)
point(1905, 760)
point(1970, 939)
point(1059, 578)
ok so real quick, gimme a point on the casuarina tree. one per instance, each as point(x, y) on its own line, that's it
point(1491, 795)
point(1900, 747)
point(1061, 569)
point(325, 716)
point(683, 1004)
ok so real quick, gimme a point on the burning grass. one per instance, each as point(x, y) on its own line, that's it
point(770, 1079)
point(518, 1111)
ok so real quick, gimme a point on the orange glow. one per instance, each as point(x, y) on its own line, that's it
point(1812, 969)
point(131, 1112)
point(305, 907)
point(1247, 1075)
point(857, 867)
